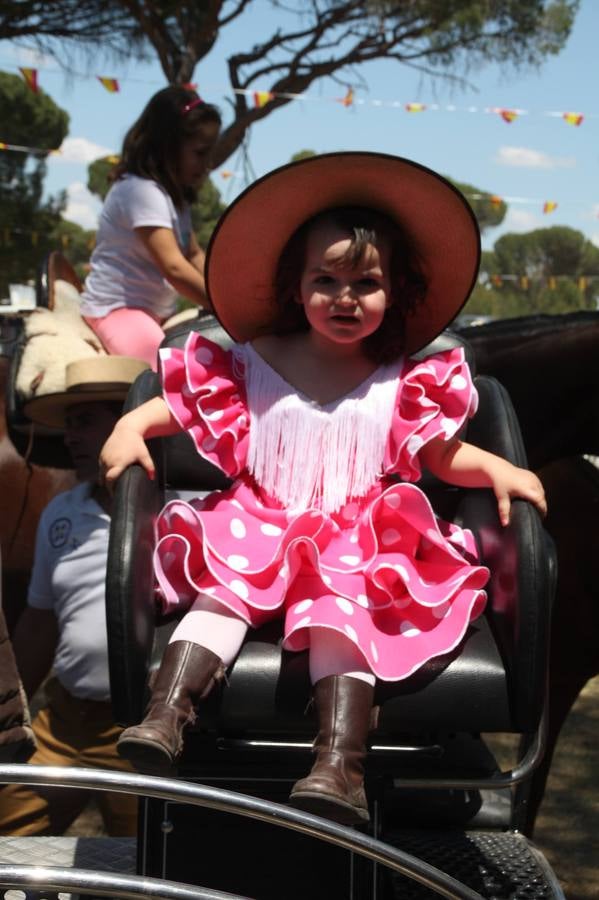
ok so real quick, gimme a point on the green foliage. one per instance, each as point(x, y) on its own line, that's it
point(206, 212)
point(97, 176)
point(548, 270)
point(489, 210)
point(26, 221)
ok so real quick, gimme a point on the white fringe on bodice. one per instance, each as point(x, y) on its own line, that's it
point(307, 455)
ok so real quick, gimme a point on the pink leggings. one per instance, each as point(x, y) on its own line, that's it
point(129, 332)
point(220, 630)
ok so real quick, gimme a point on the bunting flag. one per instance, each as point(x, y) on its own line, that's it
point(549, 206)
point(226, 174)
point(508, 115)
point(111, 84)
point(415, 107)
point(497, 280)
point(261, 98)
point(348, 100)
point(573, 118)
point(190, 86)
point(113, 159)
point(495, 200)
point(30, 76)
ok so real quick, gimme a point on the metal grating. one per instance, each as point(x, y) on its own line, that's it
point(500, 866)
point(103, 854)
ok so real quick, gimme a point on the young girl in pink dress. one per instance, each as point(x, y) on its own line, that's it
point(328, 273)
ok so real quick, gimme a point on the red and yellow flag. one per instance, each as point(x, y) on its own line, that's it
point(226, 173)
point(111, 84)
point(30, 76)
point(549, 206)
point(348, 100)
point(497, 280)
point(508, 115)
point(495, 200)
point(415, 107)
point(261, 98)
point(573, 118)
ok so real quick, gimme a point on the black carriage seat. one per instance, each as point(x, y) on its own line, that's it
point(494, 682)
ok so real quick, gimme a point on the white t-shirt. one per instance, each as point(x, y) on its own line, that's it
point(68, 577)
point(123, 272)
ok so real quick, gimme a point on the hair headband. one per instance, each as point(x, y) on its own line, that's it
point(192, 103)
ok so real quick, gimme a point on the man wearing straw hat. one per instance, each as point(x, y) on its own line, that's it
point(63, 627)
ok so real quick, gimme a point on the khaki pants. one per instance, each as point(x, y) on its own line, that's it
point(69, 732)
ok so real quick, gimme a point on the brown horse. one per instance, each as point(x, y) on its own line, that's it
point(25, 489)
point(550, 366)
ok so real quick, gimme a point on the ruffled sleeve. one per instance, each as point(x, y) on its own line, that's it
point(435, 397)
point(203, 387)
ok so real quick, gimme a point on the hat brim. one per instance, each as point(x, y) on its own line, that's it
point(50, 409)
point(246, 244)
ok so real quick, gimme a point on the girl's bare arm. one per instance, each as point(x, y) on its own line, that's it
point(126, 444)
point(465, 465)
point(185, 275)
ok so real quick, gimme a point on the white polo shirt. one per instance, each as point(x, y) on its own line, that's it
point(68, 577)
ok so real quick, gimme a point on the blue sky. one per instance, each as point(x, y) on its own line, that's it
point(537, 157)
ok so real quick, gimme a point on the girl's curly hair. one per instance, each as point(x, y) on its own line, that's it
point(364, 226)
point(152, 145)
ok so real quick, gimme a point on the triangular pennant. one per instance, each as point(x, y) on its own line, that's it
point(111, 84)
point(549, 206)
point(261, 98)
point(30, 76)
point(495, 200)
point(348, 100)
point(573, 118)
point(508, 115)
point(415, 107)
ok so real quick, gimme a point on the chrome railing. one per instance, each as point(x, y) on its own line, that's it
point(225, 801)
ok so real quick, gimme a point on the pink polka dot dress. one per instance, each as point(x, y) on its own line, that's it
point(317, 527)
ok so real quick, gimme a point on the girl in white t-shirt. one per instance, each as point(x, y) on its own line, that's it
point(146, 252)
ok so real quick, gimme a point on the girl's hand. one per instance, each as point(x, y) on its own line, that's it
point(515, 482)
point(124, 447)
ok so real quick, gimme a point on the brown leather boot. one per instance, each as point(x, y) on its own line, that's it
point(187, 673)
point(335, 786)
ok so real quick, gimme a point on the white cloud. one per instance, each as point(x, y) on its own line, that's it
point(82, 207)
point(526, 157)
point(520, 220)
point(80, 150)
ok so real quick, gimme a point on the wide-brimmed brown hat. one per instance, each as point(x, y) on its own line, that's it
point(244, 250)
point(90, 380)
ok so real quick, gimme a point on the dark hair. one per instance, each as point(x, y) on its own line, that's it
point(153, 143)
point(364, 226)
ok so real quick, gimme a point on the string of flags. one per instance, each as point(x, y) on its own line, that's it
point(546, 206)
point(261, 98)
point(524, 282)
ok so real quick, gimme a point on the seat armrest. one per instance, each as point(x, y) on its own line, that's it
point(130, 590)
point(521, 560)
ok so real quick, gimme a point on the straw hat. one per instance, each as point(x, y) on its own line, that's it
point(245, 247)
point(89, 380)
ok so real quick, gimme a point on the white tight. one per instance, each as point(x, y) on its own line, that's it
point(210, 624)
